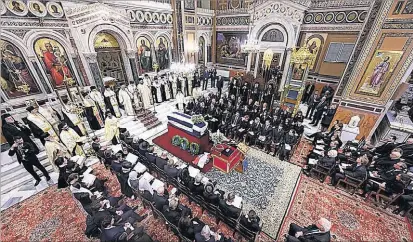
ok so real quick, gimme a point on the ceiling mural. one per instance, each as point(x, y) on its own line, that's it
point(335, 17)
point(273, 35)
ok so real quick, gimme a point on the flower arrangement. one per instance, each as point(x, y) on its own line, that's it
point(184, 144)
point(196, 119)
point(176, 140)
point(194, 148)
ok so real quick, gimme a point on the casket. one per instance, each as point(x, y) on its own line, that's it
point(184, 122)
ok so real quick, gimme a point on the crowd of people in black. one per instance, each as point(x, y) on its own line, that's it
point(164, 201)
point(383, 172)
point(247, 117)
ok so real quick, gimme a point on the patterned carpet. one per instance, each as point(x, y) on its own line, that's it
point(266, 187)
point(48, 215)
point(352, 218)
point(301, 152)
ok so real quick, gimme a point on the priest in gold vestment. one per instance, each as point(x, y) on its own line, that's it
point(111, 128)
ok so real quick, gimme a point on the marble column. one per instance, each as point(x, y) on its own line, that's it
point(132, 61)
point(208, 54)
point(257, 61)
point(78, 69)
point(285, 70)
point(91, 59)
point(249, 61)
point(41, 77)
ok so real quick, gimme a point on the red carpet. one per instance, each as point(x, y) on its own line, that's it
point(164, 142)
point(352, 218)
point(301, 152)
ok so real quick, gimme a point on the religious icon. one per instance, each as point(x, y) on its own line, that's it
point(162, 53)
point(201, 50)
point(314, 44)
point(16, 79)
point(378, 72)
point(229, 48)
point(55, 9)
point(17, 7)
point(37, 8)
point(298, 71)
point(144, 53)
point(55, 60)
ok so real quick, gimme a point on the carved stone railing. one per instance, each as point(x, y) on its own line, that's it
point(232, 11)
point(339, 3)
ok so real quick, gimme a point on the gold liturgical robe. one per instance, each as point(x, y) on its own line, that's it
point(52, 147)
point(74, 118)
point(42, 123)
point(111, 128)
point(69, 138)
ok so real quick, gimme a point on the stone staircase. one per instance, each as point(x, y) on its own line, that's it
point(16, 180)
point(17, 184)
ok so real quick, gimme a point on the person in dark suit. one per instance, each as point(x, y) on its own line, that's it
point(225, 120)
point(226, 207)
point(11, 128)
point(210, 195)
point(111, 233)
point(253, 132)
point(407, 148)
point(277, 137)
point(220, 84)
point(26, 155)
point(315, 232)
point(287, 144)
point(150, 155)
point(189, 227)
point(313, 101)
point(197, 187)
point(328, 117)
point(171, 211)
point(319, 109)
point(116, 164)
point(162, 160)
point(386, 163)
point(265, 135)
point(251, 221)
point(356, 171)
point(308, 91)
point(170, 168)
point(234, 124)
point(242, 128)
point(160, 199)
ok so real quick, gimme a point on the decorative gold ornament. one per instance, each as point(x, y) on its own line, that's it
point(23, 88)
point(302, 55)
point(70, 81)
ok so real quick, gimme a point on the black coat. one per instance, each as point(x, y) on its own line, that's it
point(356, 172)
point(229, 210)
point(160, 201)
point(328, 117)
point(28, 154)
point(9, 131)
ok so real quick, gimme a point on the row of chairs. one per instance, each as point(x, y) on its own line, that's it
point(352, 185)
point(211, 208)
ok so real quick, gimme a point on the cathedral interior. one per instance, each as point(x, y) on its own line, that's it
point(146, 62)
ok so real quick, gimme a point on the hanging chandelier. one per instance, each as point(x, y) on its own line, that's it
point(302, 55)
point(182, 68)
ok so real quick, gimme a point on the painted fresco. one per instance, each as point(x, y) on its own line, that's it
point(54, 61)
point(378, 72)
point(229, 48)
point(16, 78)
point(145, 54)
point(162, 55)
